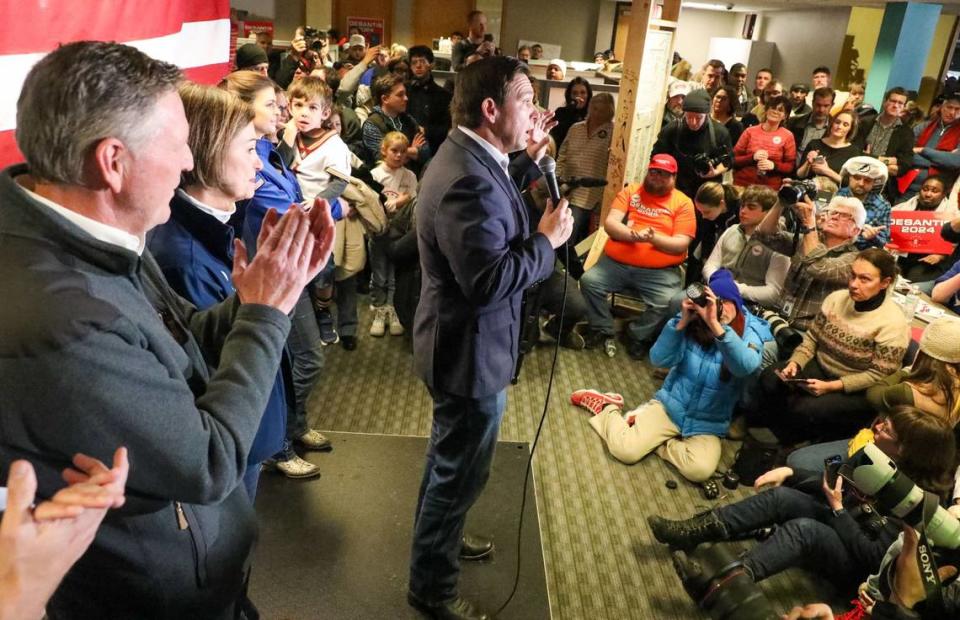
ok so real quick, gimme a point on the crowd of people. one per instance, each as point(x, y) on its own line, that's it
point(766, 271)
point(202, 276)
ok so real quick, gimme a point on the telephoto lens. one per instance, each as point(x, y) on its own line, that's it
point(717, 581)
point(787, 338)
point(874, 474)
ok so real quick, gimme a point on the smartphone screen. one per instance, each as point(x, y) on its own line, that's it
point(831, 465)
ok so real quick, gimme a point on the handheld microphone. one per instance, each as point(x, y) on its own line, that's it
point(575, 182)
point(548, 167)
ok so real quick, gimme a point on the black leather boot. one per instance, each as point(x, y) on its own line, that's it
point(688, 533)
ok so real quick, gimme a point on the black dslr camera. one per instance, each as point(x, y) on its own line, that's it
point(703, 163)
point(793, 193)
point(787, 337)
point(314, 38)
point(697, 293)
point(716, 580)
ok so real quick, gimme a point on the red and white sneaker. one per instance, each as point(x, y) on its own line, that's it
point(594, 401)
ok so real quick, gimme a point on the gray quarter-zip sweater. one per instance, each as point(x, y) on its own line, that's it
point(97, 352)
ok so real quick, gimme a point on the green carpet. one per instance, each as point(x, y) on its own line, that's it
point(601, 560)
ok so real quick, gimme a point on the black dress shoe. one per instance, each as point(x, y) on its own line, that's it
point(475, 547)
point(348, 342)
point(456, 609)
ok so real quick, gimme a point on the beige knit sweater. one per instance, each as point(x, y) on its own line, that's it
point(859, 348)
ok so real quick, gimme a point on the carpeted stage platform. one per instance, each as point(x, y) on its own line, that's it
point(338, 547)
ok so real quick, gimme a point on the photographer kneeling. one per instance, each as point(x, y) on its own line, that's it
point(820, 527)
point(859, 336)
point(710, 348)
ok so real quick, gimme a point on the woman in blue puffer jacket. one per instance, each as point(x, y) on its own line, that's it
point(710, 350)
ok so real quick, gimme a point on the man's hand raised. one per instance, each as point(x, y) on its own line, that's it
point(556, 223)
point(290, 252)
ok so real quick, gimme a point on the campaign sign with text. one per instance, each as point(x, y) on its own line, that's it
point(370, 27)
point(253, 28)
point(918, 232)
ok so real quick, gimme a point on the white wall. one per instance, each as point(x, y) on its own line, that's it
point(571, 24)
point(605, 17)
point(804, 40)
point(265, 8)
point(696, 27)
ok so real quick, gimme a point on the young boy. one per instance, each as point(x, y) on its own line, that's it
point(317, 147)
point(399, 189)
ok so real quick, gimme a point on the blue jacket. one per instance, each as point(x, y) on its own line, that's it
point(195, 253)
point(277, 188)
point(695, 398)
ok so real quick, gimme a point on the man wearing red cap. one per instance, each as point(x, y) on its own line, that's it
point(650, 226)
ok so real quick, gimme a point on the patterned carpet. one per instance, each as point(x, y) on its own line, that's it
point(601, 560)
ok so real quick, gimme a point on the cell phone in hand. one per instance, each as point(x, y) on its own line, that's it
point(795, 380)
point(831, 465)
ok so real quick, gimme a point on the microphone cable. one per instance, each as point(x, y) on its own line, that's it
point(536, 437)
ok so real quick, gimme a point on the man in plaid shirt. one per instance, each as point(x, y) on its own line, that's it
point(820, 260)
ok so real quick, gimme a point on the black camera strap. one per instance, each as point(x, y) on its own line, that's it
point(925, 560)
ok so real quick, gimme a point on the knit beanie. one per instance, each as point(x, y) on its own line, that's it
point(723, 286)
point(697, 101)
point(941, 340)
point(250, 55)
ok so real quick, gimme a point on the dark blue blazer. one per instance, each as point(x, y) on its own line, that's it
point(195, 253)
point(477, 258)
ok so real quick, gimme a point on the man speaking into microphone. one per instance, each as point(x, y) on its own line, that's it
point(477, 258)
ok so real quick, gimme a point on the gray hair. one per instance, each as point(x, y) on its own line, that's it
point(859, 213)
point(80, 94)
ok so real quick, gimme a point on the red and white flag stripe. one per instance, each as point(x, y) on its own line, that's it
point(192, 34)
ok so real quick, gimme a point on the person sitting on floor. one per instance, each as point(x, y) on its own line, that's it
point(932, 385)
point(710, 350)
point(819, 526)
point(859, 336)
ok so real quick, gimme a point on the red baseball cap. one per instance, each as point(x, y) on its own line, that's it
point(663, 162)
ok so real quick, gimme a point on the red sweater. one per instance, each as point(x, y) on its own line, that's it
point(780, 147)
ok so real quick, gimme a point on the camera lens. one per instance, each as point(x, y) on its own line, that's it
point(790, 194)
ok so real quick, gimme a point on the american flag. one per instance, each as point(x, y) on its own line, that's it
point(192, 34)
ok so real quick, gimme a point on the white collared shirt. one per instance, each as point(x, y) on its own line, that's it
point(222, 216)
point(97, 230)
point(498, 156)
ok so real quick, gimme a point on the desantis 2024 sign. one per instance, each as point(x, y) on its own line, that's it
point(918, 232)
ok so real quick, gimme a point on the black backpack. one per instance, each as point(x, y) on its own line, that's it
point(756, 457)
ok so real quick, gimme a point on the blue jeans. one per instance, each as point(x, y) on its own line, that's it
point(459, 454)
point(382, 279)
point(346, 294)
point(307, 354)
point(811, 457)
point(250, 479)
point(803, 537)
point(655, 287)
